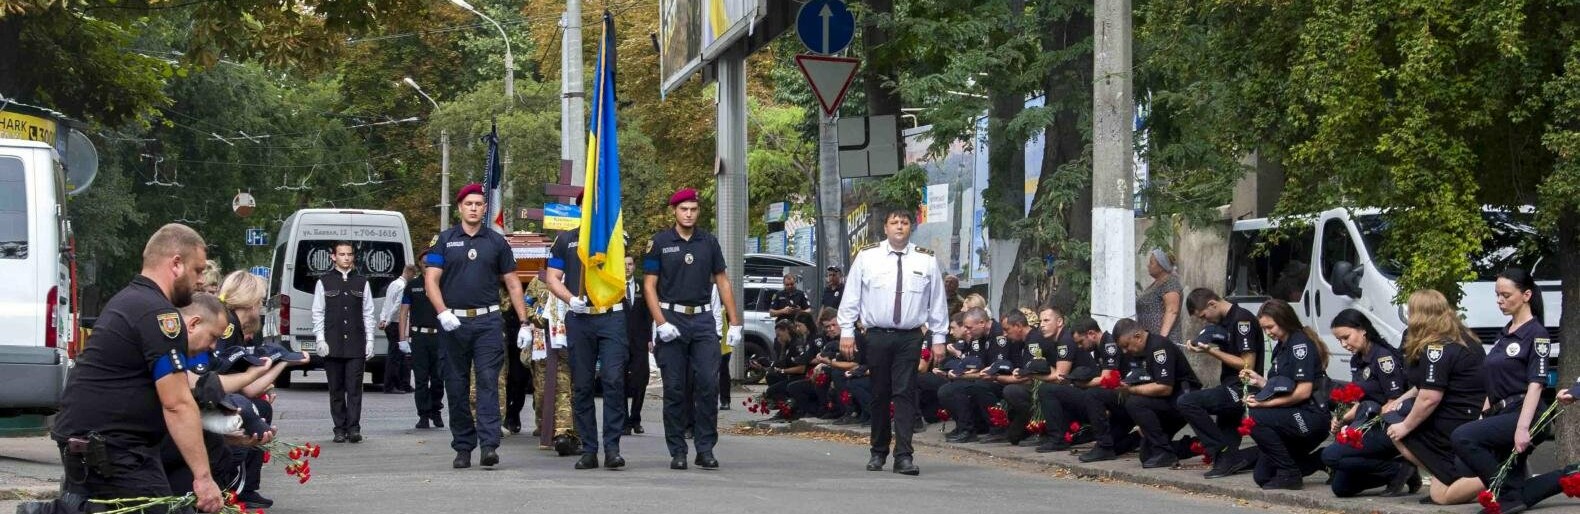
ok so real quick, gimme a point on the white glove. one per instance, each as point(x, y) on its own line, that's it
point(448, 321)
point(367, 350)
point(666, 332)
point(322, 348)
point(734, 335)
point(405, 346)
point(578, 305)
point(524, 338)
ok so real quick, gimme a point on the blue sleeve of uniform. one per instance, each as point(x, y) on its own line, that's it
point(650, 262)
point(434, 258)
point(1536, 351)
point(557, 254)
point(405, 296)
point(507, 258)
point(1304, 352)
point(718, 257)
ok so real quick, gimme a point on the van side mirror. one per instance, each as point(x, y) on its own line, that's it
point(1346, 279)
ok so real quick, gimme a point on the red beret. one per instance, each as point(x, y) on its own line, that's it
point(683, 195)
point(470, 189)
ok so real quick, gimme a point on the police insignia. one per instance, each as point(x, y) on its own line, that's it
point(170, 324)
point(230, 328)
point(1512, 350)
point(649, 247)
point(1434, 352)
point(1161, 356)
point(471, 254)
point(1244, 328)
point(1386, 364)
point(1002, 342)
point(1300, 351)
point(976, 346)
point(434, 241)
point(1366, 373)
point(1110, 349)
point(1541, 347)
point(689, 259)
point(1064, 352)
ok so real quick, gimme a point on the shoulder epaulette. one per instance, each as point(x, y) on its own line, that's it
point(868, 247)
point(924, 250)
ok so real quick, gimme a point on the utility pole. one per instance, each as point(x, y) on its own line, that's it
point(730, 137)
point(573, 101)
point(1113, 122)
point(830, 235)
point(444, 180)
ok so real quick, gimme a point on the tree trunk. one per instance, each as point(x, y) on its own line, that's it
point(1569, 324)
point(1065, 143)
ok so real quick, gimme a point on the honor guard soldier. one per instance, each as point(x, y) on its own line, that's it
point(427, 363)
point(343, 326)
point(596, 336)
point(638, 336)
point(1292, 407)
point(1156, 375)
point(1378, 369)
point(129, 388)
point(463, 276)
point(397, 357)
point(895, 290)
point(683, 265)
point(789, 301)
point(1234, 338)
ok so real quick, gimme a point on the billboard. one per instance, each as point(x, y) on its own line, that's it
point(694, 32)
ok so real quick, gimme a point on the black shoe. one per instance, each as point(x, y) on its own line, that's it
point(537, 432)
point(637, 429)
point(422, 423)
point(340, 438)
point(1291, 483)
point(957, 432)
point(677, 462)
point(626, 431)
point(705, 460)
point(968, 437)
point(876, 462)
point(1232, 463)
point(724, 406)
point(462, 460)
point(993, 439)
point(254, 499)
point(490, 457)
point(513, 426)
point(588, 461)
point(437, 422)
point(904, 466)
point(1050, 445)
point(1163, 460)
point(1406, 476)
point(919, 426)
point(355, 437)
point(1098, 454)
point(613, 461)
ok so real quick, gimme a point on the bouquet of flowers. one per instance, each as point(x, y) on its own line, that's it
point(298, 454)
point(1489, 497)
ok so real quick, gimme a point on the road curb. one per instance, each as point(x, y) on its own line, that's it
point(1315, 496)
point(26, 493)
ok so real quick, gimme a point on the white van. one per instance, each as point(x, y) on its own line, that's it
point(1333, 265)
point(37, 322)
point(302, 253)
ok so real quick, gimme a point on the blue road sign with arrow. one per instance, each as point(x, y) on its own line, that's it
point(257, 237)
point(825, 26)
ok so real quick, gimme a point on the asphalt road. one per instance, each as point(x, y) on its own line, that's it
point(401, 469)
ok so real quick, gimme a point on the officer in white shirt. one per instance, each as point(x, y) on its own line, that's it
point(343, 327)
point(894, 290)
point(397, 363)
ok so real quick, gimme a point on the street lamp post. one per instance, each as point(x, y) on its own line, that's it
point(510, 100)
point(444, 162)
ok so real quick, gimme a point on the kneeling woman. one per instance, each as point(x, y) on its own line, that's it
point(1443, 362)
point(1288, 412)
point(1379, 371)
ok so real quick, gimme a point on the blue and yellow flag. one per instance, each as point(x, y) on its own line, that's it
point(602, 232)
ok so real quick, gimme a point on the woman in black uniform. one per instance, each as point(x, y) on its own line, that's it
point(1379, 371)
point(1515, 373)
point(1289, 411)
point(1443, 362)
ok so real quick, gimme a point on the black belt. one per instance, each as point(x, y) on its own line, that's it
point(1499, 405)
point(424, 330)
point(894, 330)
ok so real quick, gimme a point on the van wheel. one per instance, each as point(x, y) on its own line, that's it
point(283, 381)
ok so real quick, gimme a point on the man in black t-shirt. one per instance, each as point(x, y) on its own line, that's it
point(1234, 337)
point(1155, 373)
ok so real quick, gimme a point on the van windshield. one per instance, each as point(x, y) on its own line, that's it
point(13, 209)
point(380, 261)
point(1513, 241)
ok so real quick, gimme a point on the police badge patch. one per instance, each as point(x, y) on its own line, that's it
point(1161, 356)
point(1366, 373)
point(170, 324)
point(1512, 350)
point(976, 346)
point(230, 328)
point(1245, 328)
point(1541, 346)
point(688, 258)
point(1386, 364)
point(471, 254)
point(1434, 352)
point(1064, 352)
point(1300, 351)
point(1002, 342)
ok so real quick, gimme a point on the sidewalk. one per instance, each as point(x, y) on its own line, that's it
point(1189, 478)
point(29, 468)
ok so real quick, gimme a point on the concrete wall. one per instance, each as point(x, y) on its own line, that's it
point(1202, 260)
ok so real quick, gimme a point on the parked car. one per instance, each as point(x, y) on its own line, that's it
point(763, 278)
point(36, 314)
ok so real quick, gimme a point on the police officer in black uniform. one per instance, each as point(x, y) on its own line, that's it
point(343, 324)
point(789, 301)
point(1291, 408)
point(967, 396)
point(128, 387)
point(793, 365)
point(1214, 413)
point(683, 265)
point(599, 351)
point(1443, 363)
point(1378, 369)
point(834, 290)
point(1516, 373)
point(1015, 385)
point(463, 276)
point(1114, 432)
point(638, 335)
point(1155, 373)
point(427, 365)
point(1076, 367)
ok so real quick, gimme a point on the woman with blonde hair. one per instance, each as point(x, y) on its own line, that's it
point(1444, 368)
point(242, 293)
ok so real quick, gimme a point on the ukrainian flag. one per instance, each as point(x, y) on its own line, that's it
point(602, 232)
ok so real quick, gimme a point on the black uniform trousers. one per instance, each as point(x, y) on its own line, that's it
point(1286, 438)
point(802, 394)
point(893, 356)
point(1064, 403)
point(1214, 414)
point(638, 372)
point(860, 389)
point(1159, 420)
point(427, 365)
point(724, 377)
point(477, 343)
point(1355, 470)
point(967, 401)
point(598, 353)
point(1484, 444)
point(1116, 420)
point(136, 471)
point(690, 369)
point(397, 364)
point(345, 392)
point(927, 386)
point(1018, 398)
point(518, 381)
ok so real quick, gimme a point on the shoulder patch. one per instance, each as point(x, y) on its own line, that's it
point(1161, 356)
point(1542, 344)
point(170, 324)
point(1386, 364)
point(924, 250)
point(230, 328)
point(434, 241)
point(1300, 351)
point(1244, 327)
point(1434, 352)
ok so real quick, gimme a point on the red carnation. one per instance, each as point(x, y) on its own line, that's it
point(265, 457)
point(1571, 485)
point(296, 453)
point(927, 354)
point(1075, 426)
point(1110, 381)
point(1197, 448)
point(1069, 438)
point(1489, 504)
point(315, 449)
point(844, 397)
point(943, 415)
point(1246, 424)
